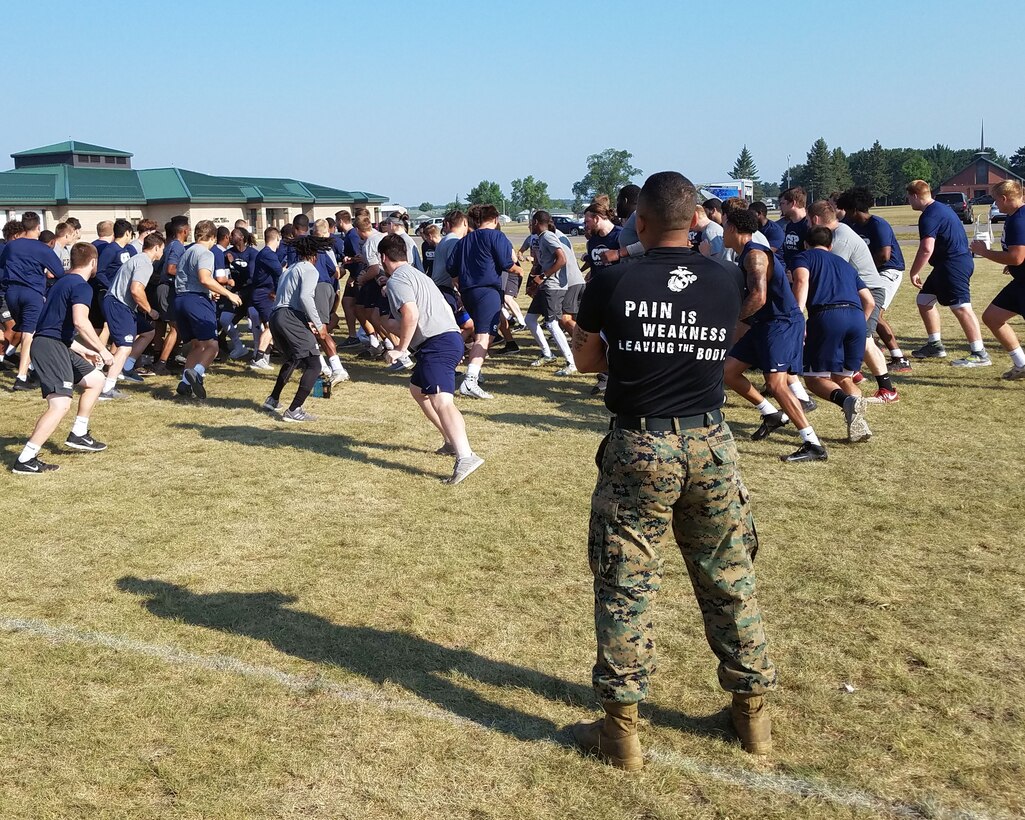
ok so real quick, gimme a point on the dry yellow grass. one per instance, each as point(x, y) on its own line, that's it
point(457, 620)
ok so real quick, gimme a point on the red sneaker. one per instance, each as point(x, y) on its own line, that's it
point(859, 377)
point(886, 396)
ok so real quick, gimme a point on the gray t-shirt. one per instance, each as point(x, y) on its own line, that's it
point(370, 253)
point(852, 248)
point(439, 271)
point(411, 251)
point(195, 259)
point(548, 246)
point(64, 252)
point(137, 269)
point(628, 236)
point(137, 244)
point(296, 290)
point(407, 284)
point(712, 234)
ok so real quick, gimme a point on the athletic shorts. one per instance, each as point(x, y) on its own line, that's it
point(263, 304)
point(351, 288)
point(774, 346)
point(835, 341)
point(163, 299)
point(436, 361)
point(58, 367)
point(571, 304)
point(512, 281)
point(547, 303)
point(368, 294)
point(484, 304)
point(324, 299)
point(292, 334)
point(1012, 297)
point(879, 297)
point(892, 280)
point(124, 323)
point(196, 317)
point(949, 288)
point(25, 306)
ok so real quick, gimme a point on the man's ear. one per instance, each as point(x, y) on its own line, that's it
point(694, 220)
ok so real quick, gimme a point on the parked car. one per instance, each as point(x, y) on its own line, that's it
point(504, 219)
point(959, 202)
point(568, 225)
point(995, 215)
point(984, 199)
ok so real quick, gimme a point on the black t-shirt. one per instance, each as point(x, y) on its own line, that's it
point(668, 319)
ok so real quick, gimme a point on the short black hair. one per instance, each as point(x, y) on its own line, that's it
point(758, 208)
point(393, 247)
point(30, 219)
point(668, 200)
point(743, 220)
point(122, 227)
point(819, 237)
point(301, 222)
point(74, 222)
point(861, 198)
point(626, 201)
point(152, 240)
point(541, 218)
point(46, 237)
point(222, 232)
point(844, 201)
point(712, 204)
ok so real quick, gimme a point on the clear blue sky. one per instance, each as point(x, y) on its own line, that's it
point(422, 100)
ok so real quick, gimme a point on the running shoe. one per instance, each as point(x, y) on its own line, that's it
point(239, 352)
point(85, 443)
point(195, 381)
point(930, 350)
point(542, 361)
point(806, 452)
point(463, 468)
point(263, 363)
point(770, 422)
point(342, 375)
point(884, 396)
point(809, 405)
point(900, 364)
point(351, 341)
point(568, 370)
point(132, 376)
point(470, 387)
point(405, 363)
point(858, 377)
point(978, 358)
point(270, 404)
point(510, 346)
point(184, 390)
point(113, 393)
point(854, 415)
point(33, 467)
point(21, 384)
point(160, 369)
point(1014, 374)
point(297, 415)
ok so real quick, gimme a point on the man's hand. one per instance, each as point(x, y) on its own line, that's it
point(392, 356)
point(916, 280)
point(108, 360)
point(235, 299)
point(322, 333)
point(154, 313)
point(978, 246)
point(609, 256)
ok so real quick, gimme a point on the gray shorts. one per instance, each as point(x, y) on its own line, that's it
point(292, 335)
point(571, 304)
point(163, 302)
point(879, 297)
point(547, 303)
point(511, 283)
point(59, 368)
point(324, 299)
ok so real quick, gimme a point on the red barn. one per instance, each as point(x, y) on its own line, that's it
point(976, 178)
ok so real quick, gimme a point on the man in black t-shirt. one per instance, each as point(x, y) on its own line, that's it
point(662, 325)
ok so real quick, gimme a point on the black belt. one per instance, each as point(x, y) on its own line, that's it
point(654, 424)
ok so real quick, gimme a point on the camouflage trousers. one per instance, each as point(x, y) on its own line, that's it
point(651, 486)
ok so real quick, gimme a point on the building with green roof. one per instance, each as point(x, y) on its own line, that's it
point(94, 183)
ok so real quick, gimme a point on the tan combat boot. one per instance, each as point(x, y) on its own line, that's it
point(752, 724)
point(613, 739)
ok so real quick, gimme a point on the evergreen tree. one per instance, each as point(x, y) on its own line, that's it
point(877, 173)
point(744, 167)
point(820, 174)
point(1017, 162)
point(841, 171)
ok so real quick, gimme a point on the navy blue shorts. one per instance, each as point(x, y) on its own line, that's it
point(836, 341)
point(196, 317)
point(1012, 297)
point(773, 347)
point(436, 361)
point(25, 306)
point(263, 303)
point(949, 287)
point(485, 308)
point(124, 324)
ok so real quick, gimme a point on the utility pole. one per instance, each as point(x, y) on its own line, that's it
point(788, 170)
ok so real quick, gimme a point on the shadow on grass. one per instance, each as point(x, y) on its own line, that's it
point(327, 444)
point(381, 656)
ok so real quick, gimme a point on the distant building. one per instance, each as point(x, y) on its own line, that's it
point(94, 183)
point(977, 176)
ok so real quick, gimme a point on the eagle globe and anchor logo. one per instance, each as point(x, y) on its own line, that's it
point(681, 278)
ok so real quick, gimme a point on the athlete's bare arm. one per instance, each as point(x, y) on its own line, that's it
point(756, 266)
point(589, 351)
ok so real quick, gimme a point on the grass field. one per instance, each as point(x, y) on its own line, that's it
point(225, 617)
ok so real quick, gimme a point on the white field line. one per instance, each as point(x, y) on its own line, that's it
point(758, 781)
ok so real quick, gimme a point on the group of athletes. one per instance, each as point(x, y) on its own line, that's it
point(818, 284)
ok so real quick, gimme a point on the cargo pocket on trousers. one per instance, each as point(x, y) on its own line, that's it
point(603, 513)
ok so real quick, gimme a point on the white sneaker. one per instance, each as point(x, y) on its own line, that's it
point(339, 376)
point(469, 387)
point(568, 370)
point(542, 361)
point(463, 468)
point(261, 364)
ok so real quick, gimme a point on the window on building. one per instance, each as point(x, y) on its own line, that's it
point(109, 160)
point(94, 159)
point(83, 158)
point(981, 172)
point(122, 160)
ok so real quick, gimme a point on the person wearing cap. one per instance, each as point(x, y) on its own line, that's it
point(662, 327)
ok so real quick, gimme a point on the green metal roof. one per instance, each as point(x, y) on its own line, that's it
point(276, 189)
point(363, 196)
point(206, 188)
point(162, 185)
point(326, 194)
point(72, 147)
point(17, 188)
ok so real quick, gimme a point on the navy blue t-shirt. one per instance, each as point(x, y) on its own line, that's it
point(793, 240)
point(267, 270)
point(597, 244)
point(325, 266)
point(282, 253)
point(112, 257)
point(352, 246)
point(25, 262)
point(877, 234)
point(173, 254)
point(479, 259)
point(831, 280)
point(1014, 234)
point(242, 264)
point(779, 297)
point(950, 253)
point(57, 320)
point(100, 244)
point(775, 234)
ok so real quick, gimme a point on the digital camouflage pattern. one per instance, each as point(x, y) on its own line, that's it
point(657, 486)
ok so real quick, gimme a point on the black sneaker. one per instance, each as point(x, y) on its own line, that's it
point(33, 467)
point(771, 422)
point(930, 350)
point(509, 347)
point(22, 384)
point(184, 390)
point(86, 443)
point(195, 382)
point(351, 341)
point(809, 405)
point(807, 452)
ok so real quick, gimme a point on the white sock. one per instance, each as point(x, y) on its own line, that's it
point(977, 347)
point(28, 453)
point(1017, 357)
point(766, 408)
point(808, 435)
point(388, 344)
point(538, 334)
point(799, 392)
point(896, 353)
point(561, 341)
point(109, 384)
point(374, 340)
point(22, 378)
point(472, 371)
point(934, 337)
point(81, 426)
point(9, 351)
point(336, 363)
point(130, 363)
point(200, 370)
